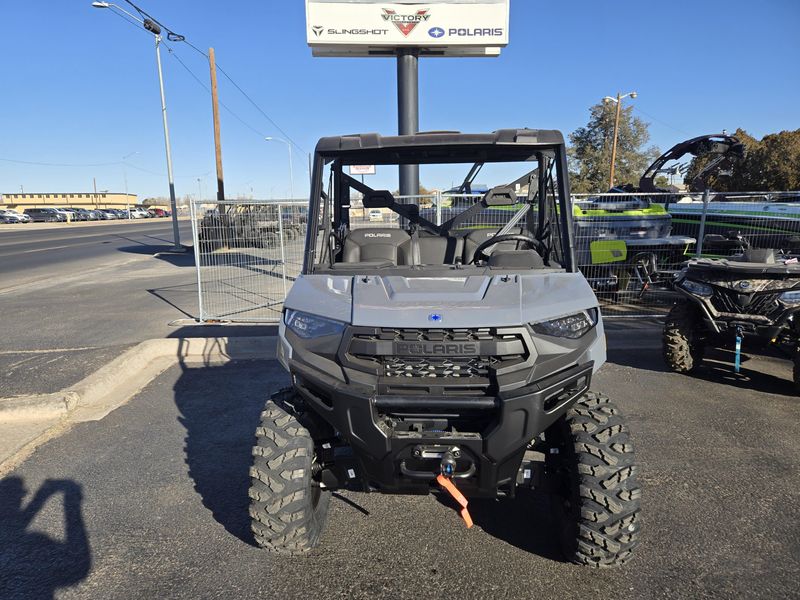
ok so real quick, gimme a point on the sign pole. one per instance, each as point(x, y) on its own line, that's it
point(408, 112)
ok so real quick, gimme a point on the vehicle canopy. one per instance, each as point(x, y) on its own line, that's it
point(528, 197)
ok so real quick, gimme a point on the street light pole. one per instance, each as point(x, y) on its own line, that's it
point(618, 100)
point(155, 29)
point(172, 203)
point(291, 174)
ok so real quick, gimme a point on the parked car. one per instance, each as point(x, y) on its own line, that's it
point(158, 212)
point(375, 215)
point(8, 215)
point(138, 213)
point(45, 215)
point(69, 213)
point(121, 213)
point(83, 214)
point(108, 213)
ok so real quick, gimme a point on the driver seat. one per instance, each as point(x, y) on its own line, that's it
point(477, 236)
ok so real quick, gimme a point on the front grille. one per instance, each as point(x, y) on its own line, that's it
point(759, 304)
point(429, 354)
point(432, 366)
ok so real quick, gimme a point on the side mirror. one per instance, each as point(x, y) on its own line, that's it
point(502, 195)
point(378, 199)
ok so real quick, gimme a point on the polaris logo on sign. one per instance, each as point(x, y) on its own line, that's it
point(405, 23)
point(377, 235)
point(433, 27)
point(478, 32)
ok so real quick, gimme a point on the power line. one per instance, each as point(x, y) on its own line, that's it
point(249, 99)
point(679, 130)
point(45, 164)
point(176, 37)
point(205, 87)
point(89, 165)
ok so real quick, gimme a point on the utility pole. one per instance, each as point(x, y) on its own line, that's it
point(94, 183)
point(215, 109)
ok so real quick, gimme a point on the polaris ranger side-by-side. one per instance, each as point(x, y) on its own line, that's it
point(453, 357)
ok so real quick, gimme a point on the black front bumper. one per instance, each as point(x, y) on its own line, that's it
point(385, 459)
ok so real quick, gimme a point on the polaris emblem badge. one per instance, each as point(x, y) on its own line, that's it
point(434, 317)
point(744, 285)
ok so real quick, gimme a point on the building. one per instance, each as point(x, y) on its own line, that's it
point(78, 200)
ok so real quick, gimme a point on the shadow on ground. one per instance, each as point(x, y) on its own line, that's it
point(32, 564)
point(525, 522)
point(718, 367)
point(220, 409)
point(162, 252)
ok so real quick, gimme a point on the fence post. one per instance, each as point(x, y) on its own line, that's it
point(702, 232)
point(197, 251)
point(283, 249)
point(438, 199)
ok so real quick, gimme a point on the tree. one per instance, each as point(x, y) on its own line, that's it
point(771, 164)
point(590, 153)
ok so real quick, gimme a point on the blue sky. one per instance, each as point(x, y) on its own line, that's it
point(79, 85)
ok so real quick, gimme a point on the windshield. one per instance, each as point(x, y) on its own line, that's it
point(504, 214)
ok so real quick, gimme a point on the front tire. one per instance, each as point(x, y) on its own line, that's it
point(683, 347)
point(288, 509)
point(597, 508)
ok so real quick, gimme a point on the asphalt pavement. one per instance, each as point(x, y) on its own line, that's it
point(74, 297)
point(151, 503)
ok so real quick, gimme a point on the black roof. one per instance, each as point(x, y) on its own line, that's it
point(375, 141)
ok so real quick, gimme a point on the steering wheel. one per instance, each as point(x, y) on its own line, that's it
point(511, 237)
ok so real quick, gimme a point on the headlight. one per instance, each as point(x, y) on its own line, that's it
point(310, 326)
point(698, 289)
point(572, 326)
point(792, 297)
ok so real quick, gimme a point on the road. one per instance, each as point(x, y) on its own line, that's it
point(31, 252)
point(73, 297)
point(151, 503)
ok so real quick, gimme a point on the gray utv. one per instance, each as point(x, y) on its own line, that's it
point(449, 357)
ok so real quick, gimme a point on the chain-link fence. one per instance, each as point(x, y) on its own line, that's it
point(248, 253)
point(629, 246)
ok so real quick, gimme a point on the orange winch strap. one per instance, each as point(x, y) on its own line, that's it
point(457, 496)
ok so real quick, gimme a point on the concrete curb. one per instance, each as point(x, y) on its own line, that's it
point(27, 422)
point(116, 382)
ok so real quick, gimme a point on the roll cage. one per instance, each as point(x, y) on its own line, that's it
point(547, 196)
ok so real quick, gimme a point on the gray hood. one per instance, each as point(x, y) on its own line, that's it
point(447, 302)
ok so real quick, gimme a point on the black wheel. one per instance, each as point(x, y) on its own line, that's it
point(270, 239)
point(682, 341)
point(288, 509)
point(597, 506)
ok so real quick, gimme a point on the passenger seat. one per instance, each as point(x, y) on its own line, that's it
point(377, 245)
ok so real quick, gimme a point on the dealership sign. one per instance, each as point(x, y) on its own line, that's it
point(437, 28)
point(362, 169)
